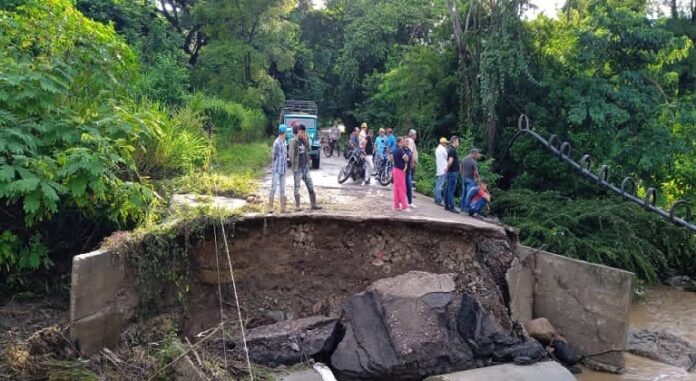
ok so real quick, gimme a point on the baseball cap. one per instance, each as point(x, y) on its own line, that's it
point(364, 125)
point(443, 140)
point(282, 129)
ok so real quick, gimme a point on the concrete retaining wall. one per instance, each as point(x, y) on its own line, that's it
point(100, 304)
point(587, 303)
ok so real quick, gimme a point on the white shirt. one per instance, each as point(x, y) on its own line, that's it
point(441, 160)
point(412, 145)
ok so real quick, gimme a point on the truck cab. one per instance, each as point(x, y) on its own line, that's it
point(293, 114)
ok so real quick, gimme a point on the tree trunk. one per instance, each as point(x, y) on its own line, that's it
point(465, 95)
point(491, 132)
point(673, 7)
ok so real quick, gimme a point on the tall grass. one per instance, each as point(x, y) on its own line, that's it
point(230, 122)
point(235, 171)
point(177, 146)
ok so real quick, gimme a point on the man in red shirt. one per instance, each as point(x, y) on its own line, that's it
point(477, 198)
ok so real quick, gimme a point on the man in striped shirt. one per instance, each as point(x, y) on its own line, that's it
point(279, 157)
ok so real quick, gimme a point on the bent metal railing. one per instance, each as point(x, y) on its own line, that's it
point(627, 190)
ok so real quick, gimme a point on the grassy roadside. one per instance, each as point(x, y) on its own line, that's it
point(235, 171)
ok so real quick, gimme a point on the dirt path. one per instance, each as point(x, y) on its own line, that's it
point(373, 199)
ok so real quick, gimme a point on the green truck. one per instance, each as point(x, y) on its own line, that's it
point(296, 112)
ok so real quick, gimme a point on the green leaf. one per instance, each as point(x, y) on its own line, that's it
point(77, 185)
point(26, 185)
point(32, 203)
point(7, 173)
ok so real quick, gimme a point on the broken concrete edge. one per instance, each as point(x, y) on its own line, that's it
point(485, 229)
point(595, 323)
point(178, 223)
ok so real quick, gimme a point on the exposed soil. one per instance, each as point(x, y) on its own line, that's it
point(301, 266)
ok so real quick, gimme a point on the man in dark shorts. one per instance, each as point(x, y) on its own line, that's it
point(470, 176)
point(452, 174)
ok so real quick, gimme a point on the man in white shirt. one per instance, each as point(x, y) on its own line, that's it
point(440, 169)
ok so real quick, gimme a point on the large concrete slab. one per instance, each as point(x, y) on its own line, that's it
point(543, 371)
point(520, 281)
point(99, 304)
point(587, 303)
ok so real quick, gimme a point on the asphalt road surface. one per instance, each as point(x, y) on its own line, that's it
point(368, 200)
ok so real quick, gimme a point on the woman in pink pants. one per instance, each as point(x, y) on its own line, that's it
point(399, 174)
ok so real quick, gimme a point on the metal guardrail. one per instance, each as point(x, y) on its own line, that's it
point(627, 190)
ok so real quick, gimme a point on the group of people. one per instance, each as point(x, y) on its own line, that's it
point(449, 169)
point(402, 151)
point(375, 150)
point(299, 148)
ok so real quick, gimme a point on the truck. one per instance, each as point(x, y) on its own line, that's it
point(297, 112)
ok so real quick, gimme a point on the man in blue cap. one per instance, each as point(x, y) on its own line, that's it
point(279, 157)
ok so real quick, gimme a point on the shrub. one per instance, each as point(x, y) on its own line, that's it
point(66, 138)
point(606, 231)
point(230, 121)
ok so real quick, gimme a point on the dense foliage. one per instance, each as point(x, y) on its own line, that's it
point(106, 106)
point(67, 139)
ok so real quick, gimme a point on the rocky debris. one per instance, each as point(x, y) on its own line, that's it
point(50, 340)
point(254, 199)
point(564, 353)
point(291, 341)
point(547, 370)
point(664, 347)
point(418, 324)
point(303, 237)
point(186, 370)
point(683, 282)
point(541, 329)
point(544, 332)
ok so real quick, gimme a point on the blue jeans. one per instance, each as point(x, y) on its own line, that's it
point(467, 184)
point(451, 184)
point(439, 183)
point(277, 180)
point(303, 175)
point(409, 187)
point(477, 207)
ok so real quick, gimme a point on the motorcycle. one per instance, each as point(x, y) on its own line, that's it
point(355, 168)
point(384, 175)
point(383, 169)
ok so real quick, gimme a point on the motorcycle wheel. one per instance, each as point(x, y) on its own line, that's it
point(328, 150)
point(344, 174)
point(385, 178)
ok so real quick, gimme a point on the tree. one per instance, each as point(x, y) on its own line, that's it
point(178, 13)
point(157, 43)
point(245, 39)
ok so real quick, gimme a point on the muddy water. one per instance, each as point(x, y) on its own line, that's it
point(665, 308)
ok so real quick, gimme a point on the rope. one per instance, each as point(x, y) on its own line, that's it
point(236, 299)
point(222, 319)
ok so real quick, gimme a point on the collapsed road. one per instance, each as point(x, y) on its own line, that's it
point(377, 294)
